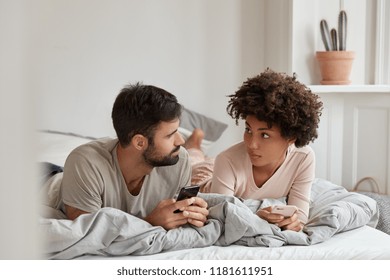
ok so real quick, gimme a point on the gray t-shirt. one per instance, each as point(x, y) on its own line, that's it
point(92, 180)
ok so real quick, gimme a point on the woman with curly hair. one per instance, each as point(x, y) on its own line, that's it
point(273, 160)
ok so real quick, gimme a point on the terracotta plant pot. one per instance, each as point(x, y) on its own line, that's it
point(335, 66)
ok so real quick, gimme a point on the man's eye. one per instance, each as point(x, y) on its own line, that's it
point(265, 135)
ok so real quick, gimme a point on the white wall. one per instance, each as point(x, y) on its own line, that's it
point(18, 180)
point(293, 30)
point(199, 50)
point(84, 52)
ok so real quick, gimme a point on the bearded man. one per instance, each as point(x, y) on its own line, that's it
point(141, 170)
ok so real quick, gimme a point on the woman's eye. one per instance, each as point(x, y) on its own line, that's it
point(247, 130)
point(265, 135)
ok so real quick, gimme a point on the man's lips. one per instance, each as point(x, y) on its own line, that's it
point(176, 150)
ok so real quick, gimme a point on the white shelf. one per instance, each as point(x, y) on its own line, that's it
point(349, 88)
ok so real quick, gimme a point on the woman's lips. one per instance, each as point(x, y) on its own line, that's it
point(254, 155)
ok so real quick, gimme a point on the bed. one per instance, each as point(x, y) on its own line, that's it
point(342, 224)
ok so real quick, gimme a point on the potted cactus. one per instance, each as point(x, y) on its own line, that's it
point(335, 62)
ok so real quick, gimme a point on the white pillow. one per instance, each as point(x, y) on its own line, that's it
point(54, 146)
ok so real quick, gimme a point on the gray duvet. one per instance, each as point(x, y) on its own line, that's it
point(111, 232)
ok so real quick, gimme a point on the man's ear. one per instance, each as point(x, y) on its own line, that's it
point(139, 141)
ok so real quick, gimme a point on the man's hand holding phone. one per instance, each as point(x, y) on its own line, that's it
point(185, 193)
point(192, 210)
point(196, 212)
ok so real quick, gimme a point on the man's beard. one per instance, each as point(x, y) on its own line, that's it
point(154, 160)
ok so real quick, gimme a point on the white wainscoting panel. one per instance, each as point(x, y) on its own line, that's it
point(367, 141)
point(371, 147)
point(328, 145)
point(354, 136)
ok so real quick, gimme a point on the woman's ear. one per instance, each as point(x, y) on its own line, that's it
point(139, 142)
point(292, 141)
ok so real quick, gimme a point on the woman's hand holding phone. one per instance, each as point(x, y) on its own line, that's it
point(284, 210)
point(284, 216)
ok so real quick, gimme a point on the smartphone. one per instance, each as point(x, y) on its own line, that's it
point(187, 192)
point(284, 210)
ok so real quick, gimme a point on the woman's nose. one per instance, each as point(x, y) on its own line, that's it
point(253, 144)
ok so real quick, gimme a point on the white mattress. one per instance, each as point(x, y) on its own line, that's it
point(364, 243)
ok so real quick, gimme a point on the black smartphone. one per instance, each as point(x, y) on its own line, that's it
point(187, 192)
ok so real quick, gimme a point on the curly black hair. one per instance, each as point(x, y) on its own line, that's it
point(279, 99)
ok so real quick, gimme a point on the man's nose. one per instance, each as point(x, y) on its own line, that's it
point(179, 141)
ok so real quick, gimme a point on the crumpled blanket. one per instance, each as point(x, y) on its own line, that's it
point(111, 232)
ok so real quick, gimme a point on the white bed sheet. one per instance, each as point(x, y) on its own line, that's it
point(365, 243)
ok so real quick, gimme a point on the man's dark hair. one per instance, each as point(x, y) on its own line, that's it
point(138, 109)
point(279, 99)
